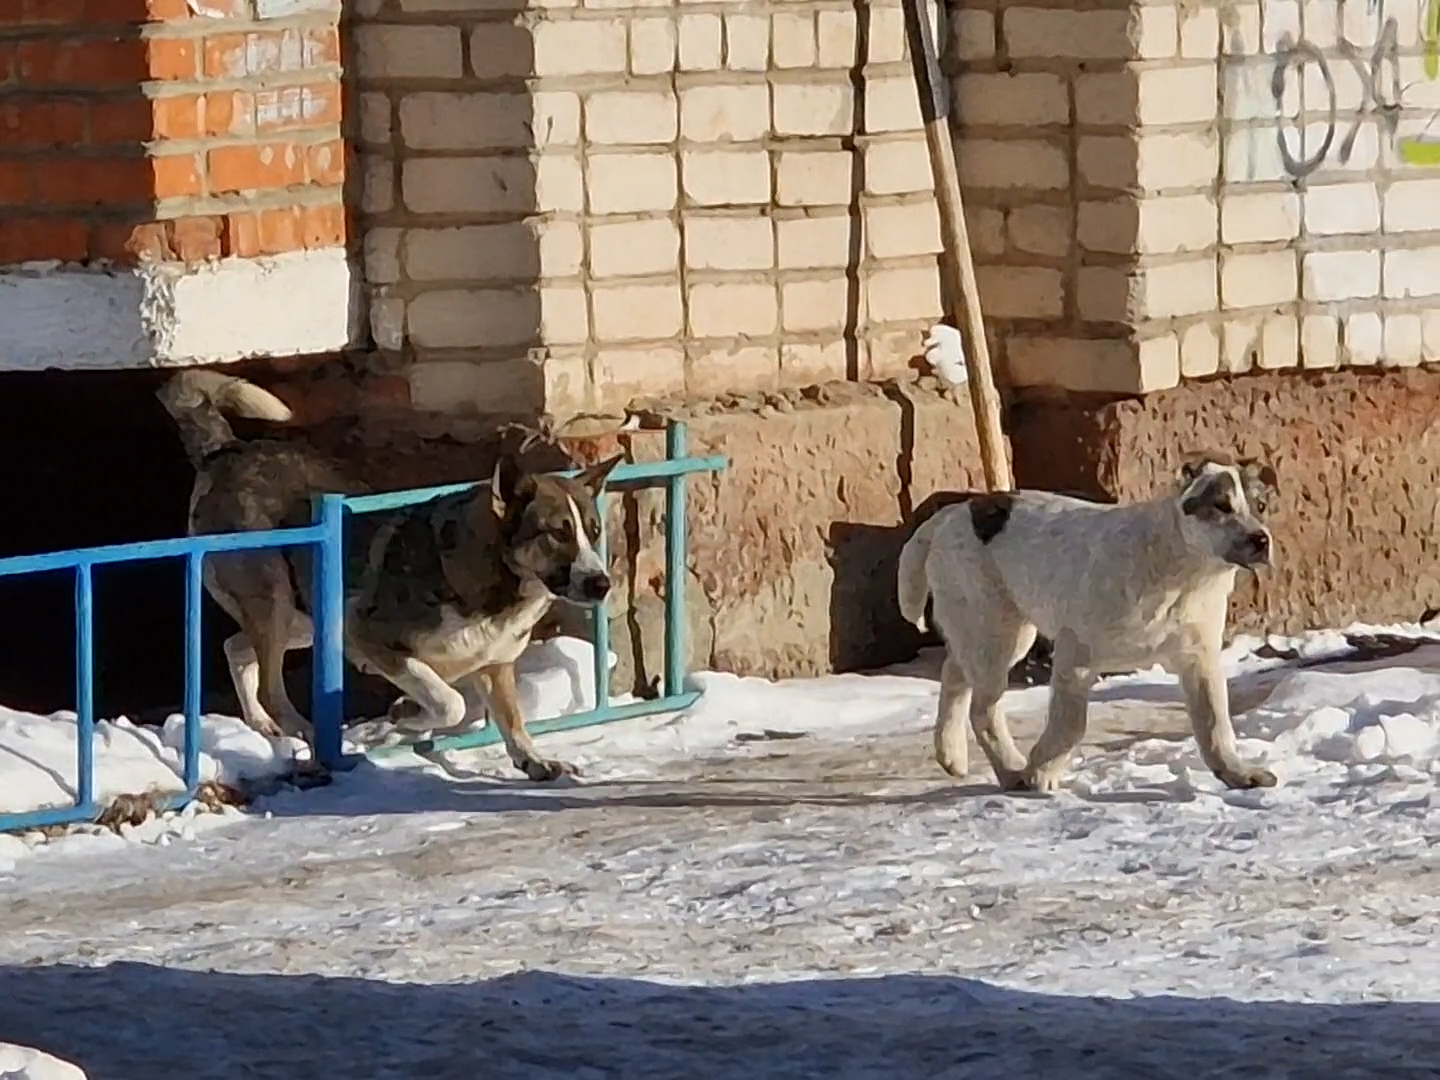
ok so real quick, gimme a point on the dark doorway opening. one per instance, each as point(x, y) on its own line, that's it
point(91, 458)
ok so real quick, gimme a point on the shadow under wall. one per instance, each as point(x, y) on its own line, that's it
point(866, 628)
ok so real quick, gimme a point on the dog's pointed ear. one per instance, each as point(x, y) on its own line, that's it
point(508, 486)
point(1258, 472)
point(1191, 468)
point(1260, 482)
point(595, 476)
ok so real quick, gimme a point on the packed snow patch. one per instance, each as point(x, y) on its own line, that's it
point(39, 757)
point(1347, 721)
point(760, 878)
point(23, 1063)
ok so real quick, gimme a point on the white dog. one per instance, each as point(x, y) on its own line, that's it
point(1115, 588)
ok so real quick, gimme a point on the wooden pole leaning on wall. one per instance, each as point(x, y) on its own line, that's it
point(958, 263)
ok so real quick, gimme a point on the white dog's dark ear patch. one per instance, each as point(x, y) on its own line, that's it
point(990, 513)
point(1261, 484)
point(1193, 467)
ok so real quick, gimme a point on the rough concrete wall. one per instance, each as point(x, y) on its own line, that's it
point(571, 205)
point(1357, 525)
point(182, 162)
point(792, 548)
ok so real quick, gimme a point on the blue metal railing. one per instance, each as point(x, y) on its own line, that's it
point(326, 537)
point(193, 550)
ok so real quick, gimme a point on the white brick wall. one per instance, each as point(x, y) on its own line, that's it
point(1156, 177)
point(603, 198)
point(1341, 195)
point(593, 201)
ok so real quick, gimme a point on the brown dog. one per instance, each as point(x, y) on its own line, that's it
point(438, 595)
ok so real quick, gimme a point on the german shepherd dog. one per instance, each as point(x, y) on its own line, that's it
point(438, 595)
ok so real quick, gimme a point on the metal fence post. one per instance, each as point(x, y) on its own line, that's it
point(600, 616)
point(194, 593)
point(84, 685)
point(676, 615)
point(327, 708)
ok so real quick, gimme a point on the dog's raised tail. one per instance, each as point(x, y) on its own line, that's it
point(199, 400)
point(912, 580)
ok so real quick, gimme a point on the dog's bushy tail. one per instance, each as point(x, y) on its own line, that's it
point(913, 581)
point(198, 401)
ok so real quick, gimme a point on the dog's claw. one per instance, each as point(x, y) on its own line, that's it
point(1245, 779)
point(952, 768)
point(543, 771)
point(1026, 781)
point(1014, 781)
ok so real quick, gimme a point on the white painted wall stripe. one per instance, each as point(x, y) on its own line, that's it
point(169, 315)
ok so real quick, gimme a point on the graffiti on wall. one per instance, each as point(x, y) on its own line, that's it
point(1324, 102)
point(1423, 149)
point(1378, 71)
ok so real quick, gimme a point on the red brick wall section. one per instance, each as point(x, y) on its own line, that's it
point(169, 129)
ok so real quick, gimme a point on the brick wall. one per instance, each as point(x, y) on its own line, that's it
point(572, 205)
point(1173, 190)
point(1055, 176)
point(1330, 197)
point(184, 139)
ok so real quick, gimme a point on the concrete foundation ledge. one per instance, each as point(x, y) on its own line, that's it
point(793, 548)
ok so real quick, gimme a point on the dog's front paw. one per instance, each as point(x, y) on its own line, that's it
point(1243, 777)
point(1038, 781)
point(957, 768)
point(543, 770)
point(1014, 780)
point(407, 713)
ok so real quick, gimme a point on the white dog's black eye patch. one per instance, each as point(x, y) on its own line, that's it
point(1213, 497)
point(1257, 480)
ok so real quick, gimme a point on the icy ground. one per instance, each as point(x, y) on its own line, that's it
point(780, 884)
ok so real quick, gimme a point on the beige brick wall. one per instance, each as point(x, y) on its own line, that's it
point(1183, 189)
point(1056, 181)
point(586, 201)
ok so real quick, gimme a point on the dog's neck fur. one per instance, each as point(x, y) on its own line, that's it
point(480, 574)
point(1183, 564)
point(1177, 580)
point(1173, 572)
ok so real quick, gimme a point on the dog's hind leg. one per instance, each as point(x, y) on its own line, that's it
point(1009, 641)
point(952, 748)
point(283, 628)
point(1070, 683)
point(984, 636)
point(245, 674)
point(442, 704)
point(498, 682)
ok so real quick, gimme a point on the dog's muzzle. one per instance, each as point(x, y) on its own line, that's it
point(1253, 551)
point(590, 588)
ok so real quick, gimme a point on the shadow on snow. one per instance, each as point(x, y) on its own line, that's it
point(137, 1022)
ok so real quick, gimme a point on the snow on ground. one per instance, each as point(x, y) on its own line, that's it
point(23, 1063)
point(780, 884)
